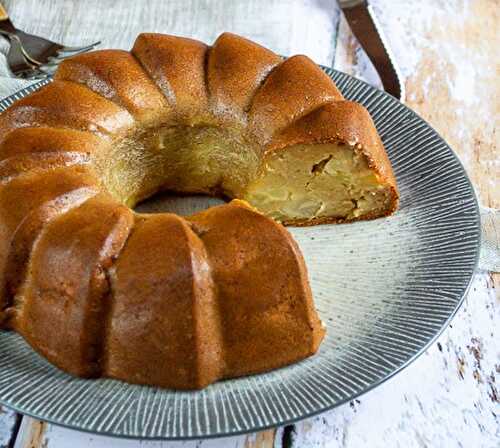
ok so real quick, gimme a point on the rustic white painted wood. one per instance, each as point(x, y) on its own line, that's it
point(448, 53)
point(32, 434)
point(7, 426)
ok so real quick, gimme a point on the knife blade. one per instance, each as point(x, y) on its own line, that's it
point(364, 25)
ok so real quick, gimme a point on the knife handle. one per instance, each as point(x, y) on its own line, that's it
point(351, 3)
point(3, 13)
point(5, 23)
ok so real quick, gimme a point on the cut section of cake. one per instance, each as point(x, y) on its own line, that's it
point(329, 166)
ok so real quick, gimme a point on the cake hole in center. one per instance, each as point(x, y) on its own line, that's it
point(184, 205)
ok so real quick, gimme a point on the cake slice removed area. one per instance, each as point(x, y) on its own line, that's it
point(311, 184)
point(329, 166)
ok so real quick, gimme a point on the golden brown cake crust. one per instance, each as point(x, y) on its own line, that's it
point(17, 256)
point(61, 308)
point(265, 323)
point(17, 165)
point(30, 140)
point(27, 202)
point(63, 104)
point(163, 327)
point(293, 89)
point(236, 68)
point(118, 76)
point(177, 65)
point(158, 299)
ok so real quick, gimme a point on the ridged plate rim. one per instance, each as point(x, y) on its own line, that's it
point(352, 88)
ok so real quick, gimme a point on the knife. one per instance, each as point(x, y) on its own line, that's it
point(364, 25)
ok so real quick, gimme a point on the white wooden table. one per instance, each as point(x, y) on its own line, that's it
point(448, 52)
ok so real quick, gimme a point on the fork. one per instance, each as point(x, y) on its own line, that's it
point(19, 65)
point(32, 56)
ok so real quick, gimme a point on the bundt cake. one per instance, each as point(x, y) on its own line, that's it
point(159, 299)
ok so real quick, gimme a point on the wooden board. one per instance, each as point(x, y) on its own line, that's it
point(9, 425)
point(448, 55)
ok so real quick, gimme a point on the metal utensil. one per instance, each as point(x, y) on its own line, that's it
point(41, 56)
point(364, 25)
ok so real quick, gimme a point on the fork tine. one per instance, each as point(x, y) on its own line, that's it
point(60, 56)
point(52, 62)
point(78, 49)
point(47, 69)
point(37, 76)
point(32, 73)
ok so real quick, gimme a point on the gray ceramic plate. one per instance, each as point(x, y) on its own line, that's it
point(384, 288)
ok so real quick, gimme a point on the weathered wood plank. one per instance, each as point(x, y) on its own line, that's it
point(9, 422)
point(448, 397)
point(31, 434)
point(452, 79)
point(35, 434)
point(287, 27)
point(448, 55)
